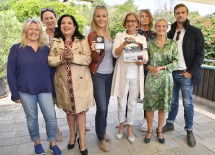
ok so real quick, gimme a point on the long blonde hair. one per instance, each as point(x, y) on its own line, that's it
point(95, 27)
point(42, 40)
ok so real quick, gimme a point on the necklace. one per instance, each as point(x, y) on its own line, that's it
point(134, 35)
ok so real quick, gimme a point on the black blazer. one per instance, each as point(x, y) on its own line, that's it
point(193, 49)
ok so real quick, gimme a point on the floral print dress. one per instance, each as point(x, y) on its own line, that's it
point(158, 89)
point(68, 44)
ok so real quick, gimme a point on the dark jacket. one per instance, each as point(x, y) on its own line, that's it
point(193, 49)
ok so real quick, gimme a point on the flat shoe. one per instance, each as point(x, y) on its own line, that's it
point(103, 146)
point(147, 140)
point(39, 149)
point(161, 140)
point(107, 139)
point(55, 149)
point(119, 136)
point(131, 139)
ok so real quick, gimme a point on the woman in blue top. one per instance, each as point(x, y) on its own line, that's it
point(29, 80)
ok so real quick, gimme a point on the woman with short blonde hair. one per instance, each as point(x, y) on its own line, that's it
point(128, 73)
point(29, 80)
point(163, 59)
point(42, 41)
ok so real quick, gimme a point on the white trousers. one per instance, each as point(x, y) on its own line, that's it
point(133, 87)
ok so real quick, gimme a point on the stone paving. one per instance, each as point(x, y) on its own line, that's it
point(15, 140)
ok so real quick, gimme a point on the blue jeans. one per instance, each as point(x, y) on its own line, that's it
point(45, 101)
point(186, 87)
point(102, 88)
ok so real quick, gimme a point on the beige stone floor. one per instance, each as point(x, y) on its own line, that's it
point(15, 140)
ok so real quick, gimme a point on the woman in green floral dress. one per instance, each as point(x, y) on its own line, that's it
point(163, 59)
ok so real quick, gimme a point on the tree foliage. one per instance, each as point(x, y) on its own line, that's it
point(87, 11)
point(25, 9)
point(10, 31)
point(98, 2)
point(117, 14)
point(207, 25)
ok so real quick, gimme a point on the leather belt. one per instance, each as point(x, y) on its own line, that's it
point(181, 71)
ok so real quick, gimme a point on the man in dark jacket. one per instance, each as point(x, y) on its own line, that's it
point(190, 43)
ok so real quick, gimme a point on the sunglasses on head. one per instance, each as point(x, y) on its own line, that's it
point(178, 35)
point(46, 9)
point(101, 6)
point(32, 20)
point(144, 10)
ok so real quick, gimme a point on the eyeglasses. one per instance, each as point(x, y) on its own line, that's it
point(130, 21)
point(46, 9)
point(32, 20)
point(178, 35)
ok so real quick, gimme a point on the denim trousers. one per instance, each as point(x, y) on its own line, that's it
point(186, 87)
point(45, 102)
point(133, 88)
point(102, 88)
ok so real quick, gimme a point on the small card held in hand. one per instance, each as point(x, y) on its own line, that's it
point(100, 44)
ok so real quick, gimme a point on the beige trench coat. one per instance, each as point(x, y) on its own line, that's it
point(81, 76)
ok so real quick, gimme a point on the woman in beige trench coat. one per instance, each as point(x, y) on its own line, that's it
point(70, 53)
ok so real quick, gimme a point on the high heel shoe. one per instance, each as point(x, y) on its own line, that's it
point(71, 146)
point(161, 140)
point(147, 140)
point(85, 152)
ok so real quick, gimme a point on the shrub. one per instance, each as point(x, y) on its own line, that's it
point(10, 31)
point(207, 25)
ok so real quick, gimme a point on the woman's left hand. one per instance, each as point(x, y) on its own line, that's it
point(157, 70)
point(68, 54)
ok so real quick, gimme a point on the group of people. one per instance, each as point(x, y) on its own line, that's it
point(61, 66)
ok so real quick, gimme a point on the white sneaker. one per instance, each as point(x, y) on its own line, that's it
point(144, 126)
